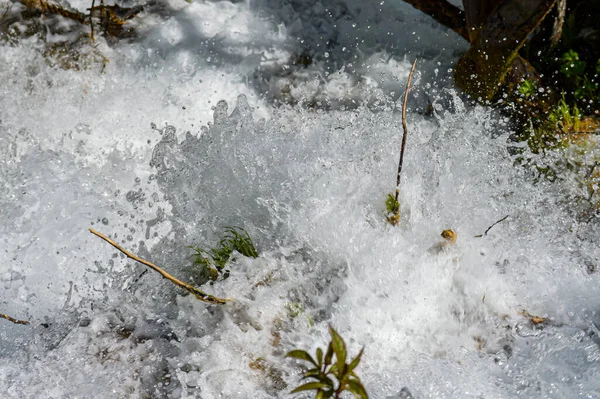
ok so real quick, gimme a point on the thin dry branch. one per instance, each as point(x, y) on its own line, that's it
point(189, 288)
point(489, 228)
point(92, 22)
point(404, 128)
point(16, 321)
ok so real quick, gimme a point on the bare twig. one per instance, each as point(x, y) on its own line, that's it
point(404, 128)
point(92, 22)
point(391, 203)
point(16, 321)
point(189, 288)
point(489, 228)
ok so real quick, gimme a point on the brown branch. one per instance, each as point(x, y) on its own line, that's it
point(445, 13)
point(16, 321)
point(404, 128)
point(189, 288)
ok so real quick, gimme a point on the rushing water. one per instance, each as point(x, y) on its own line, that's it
point(147, 153)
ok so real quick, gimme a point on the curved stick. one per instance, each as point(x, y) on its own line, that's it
point(189, 288)
point(16, 321)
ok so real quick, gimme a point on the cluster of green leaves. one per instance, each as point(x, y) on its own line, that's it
point(565, 117)
point(393, 209)
point(528, 88)
point(330, 372)
point(391, 205)
point(574, 69)
point(214, 260)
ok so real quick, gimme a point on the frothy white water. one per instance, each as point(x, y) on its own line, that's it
point(77, 150)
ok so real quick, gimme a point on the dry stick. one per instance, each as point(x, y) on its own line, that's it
point(489, 228)
point(192, 290)
point(92, 22)
point(404, 128)
point(16, 321)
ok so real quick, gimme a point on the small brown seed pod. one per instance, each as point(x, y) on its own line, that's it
point(449, 235)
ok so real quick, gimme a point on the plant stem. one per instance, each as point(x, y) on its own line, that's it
point(404, 128)
point(92, 22)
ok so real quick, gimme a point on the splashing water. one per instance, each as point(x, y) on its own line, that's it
point(310, 188)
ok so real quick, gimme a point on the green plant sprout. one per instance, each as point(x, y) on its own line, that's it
point(565, 118)
point(573, 68)
point(392, 206)
point(295, 309)
point(214, 260)
point(332, 376)
point(571, 64)
point(528, 88)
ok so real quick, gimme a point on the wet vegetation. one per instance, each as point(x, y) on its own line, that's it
point(212, 263)
point(330, 371)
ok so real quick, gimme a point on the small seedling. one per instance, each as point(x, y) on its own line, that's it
point(528, 88)
point(571, 64)
point(562, 116)
point(392, 206)
point(214, 260)
point(331, 374)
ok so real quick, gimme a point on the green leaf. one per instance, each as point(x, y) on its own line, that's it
point(320, 356)
point(302, 355)
point(333, 370)
point(339, 348)
point(328, 394)
point(357, 389)
point(355, 361)
point(325, 380)
point(311, 385)
point(328, 355)
point(324, 394)
point(314, 373)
